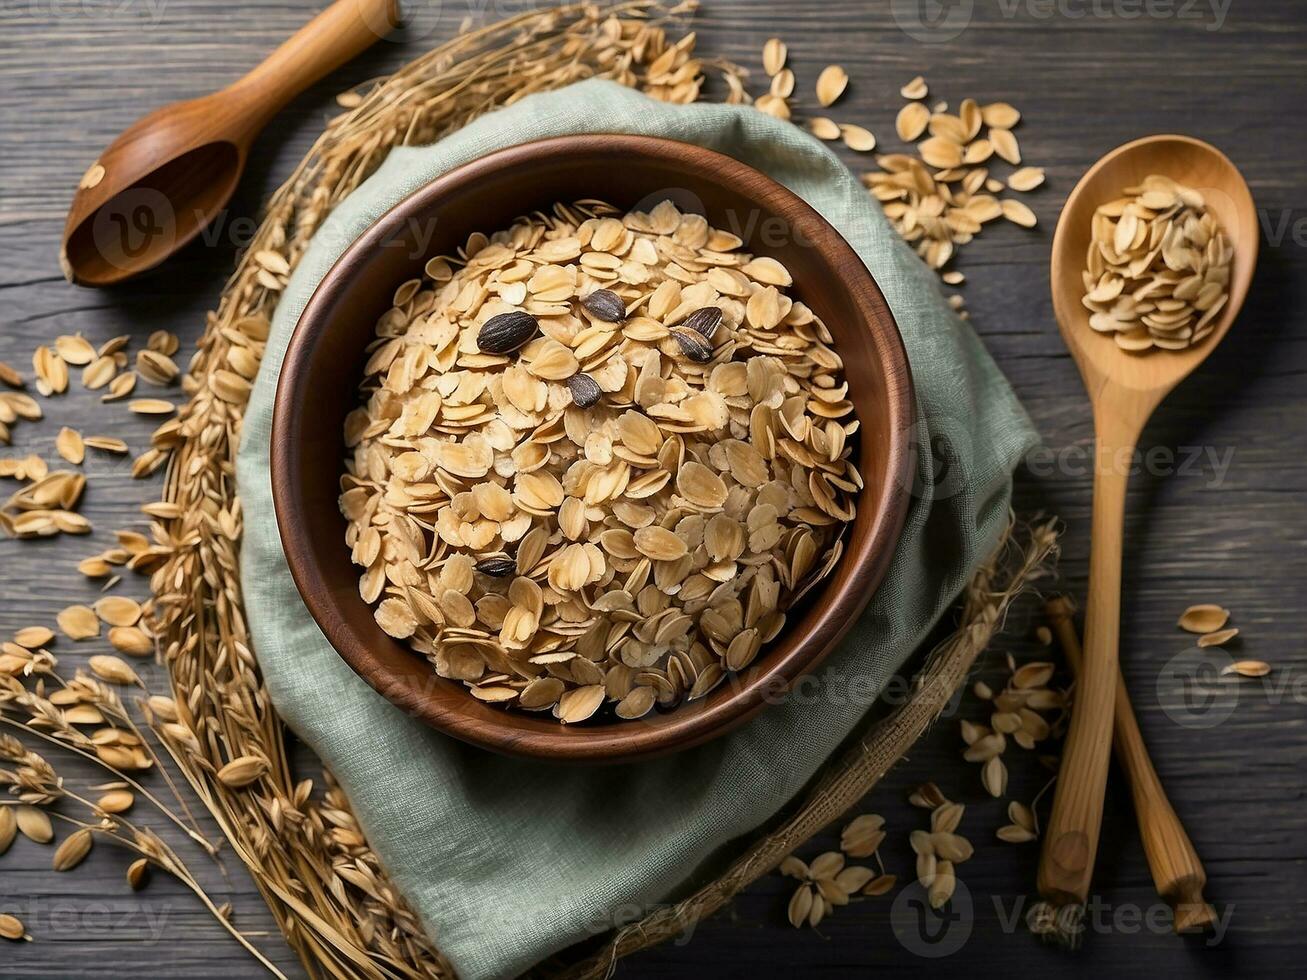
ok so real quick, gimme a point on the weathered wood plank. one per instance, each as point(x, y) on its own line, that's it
point(73, 75)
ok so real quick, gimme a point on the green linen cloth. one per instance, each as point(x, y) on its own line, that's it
point(508, 861)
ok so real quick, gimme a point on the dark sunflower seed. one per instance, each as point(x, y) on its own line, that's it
point(706, 320)
point(606, 305)
point(496, 567)
point(693, 345)
point(506, 332)
point(585, 390)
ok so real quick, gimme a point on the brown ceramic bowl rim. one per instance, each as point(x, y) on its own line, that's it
point(826, 619)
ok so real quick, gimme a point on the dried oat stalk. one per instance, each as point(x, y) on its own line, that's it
point(309, 859)
point(1020, 560)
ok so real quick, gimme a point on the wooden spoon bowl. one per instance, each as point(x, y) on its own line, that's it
point(1187, 161)
point(323, 366)
point(1124, 389)
point(169, 174)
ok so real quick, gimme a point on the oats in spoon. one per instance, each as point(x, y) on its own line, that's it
point(1158, 269)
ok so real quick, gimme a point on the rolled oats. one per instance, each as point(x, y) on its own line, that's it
point(597, 457)
point(1157, 274)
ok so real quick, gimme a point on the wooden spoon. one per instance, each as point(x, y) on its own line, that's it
point(1177, 872)
point(161, 182)
point(1124, 389)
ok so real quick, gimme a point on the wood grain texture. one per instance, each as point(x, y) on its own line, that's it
point(1226, 525)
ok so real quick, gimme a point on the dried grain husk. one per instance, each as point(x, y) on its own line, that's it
point(73, 850)
point(1218, 638)
point(34, 637)
point(863, 835)
point(11, 927)
point(241, 771)
point(131, 640)
point(882, 884)
point(800, 906)
point(116, 801)
point(942, 885)
point(78, 622)
point(8, 827)
point(138, 874)
point(1248, 668)
point(115, 670)
point(34, 823)
point(1204, 618)
point(994, 777)
point(118, 610)
point(1015, 834)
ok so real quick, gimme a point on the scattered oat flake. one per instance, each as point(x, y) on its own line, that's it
point(773, 105)
point(151, 406)
point(823, 128)
point(1005, 145)
point(911, 121)
point(831, 84)
point(1026, 179)
point(1248, 668)
point(118, 610)
point(107, 444)
point(1205, 618)
point(51, 371)
point(1018, 213)
point(1218, 638)
point(1015, 834)
point(782, 84)
point(999, 115)
point(915, 89)
point(34, 637)
point(857, 138)
point(633, 546)
point(68, 443)
point(11, 927)
point(78, 622)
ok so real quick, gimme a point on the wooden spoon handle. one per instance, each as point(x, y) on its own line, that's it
point(1067, 862)
point(335, 36)
point(1176, 870)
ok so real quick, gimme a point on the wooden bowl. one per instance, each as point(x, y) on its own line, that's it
point(323, 366)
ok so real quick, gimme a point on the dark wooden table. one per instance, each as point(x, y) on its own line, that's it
point(1220, 519)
